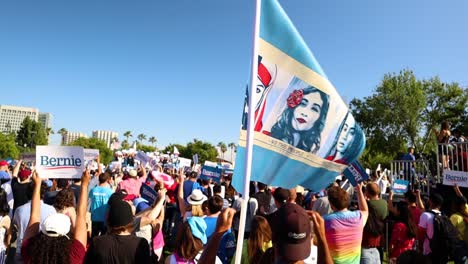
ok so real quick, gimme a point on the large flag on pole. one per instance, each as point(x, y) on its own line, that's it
point(303, 132)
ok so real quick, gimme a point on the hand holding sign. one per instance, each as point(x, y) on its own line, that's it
point(36, 179)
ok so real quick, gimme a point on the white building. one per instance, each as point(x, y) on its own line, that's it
point(69, 137)
point(46, 120)
point(106, 136)
point(11, 117)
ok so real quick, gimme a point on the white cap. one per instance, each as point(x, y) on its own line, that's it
point(56, 225)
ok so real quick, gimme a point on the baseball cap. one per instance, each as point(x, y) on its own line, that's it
point(120, 214)
point(281, 195)
point(293, 232)
point(133, 173)
point(3, 163)
point(198, 228)
point(56, 225)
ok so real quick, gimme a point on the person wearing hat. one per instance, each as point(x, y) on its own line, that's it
point(133, 183)
point(190, 239)
point(119, 245)
point(50, 241)
point(195, 201)
point(20, 185)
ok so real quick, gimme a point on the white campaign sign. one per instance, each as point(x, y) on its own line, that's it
point(91, 154)
point(183, 162)
point(60, 162)
point(455, 177)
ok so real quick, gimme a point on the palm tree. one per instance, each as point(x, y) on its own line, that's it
point(153, 140)
point(141, 137)
point(222, 148)
point(128, 134)
point(232, 146)
point(62, 132)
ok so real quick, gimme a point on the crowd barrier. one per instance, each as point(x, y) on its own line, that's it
point(417, 173)
point(452, 156)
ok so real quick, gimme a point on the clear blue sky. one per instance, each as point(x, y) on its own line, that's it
point(177, 69)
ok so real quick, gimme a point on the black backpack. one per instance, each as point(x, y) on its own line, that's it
point(445, 242)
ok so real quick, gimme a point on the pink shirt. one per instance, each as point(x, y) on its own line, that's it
point(132, 185)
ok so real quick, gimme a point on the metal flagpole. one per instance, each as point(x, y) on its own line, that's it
point(250, 134)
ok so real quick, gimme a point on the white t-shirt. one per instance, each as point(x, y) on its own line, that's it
point(9, 192)
point(426, 221)
point(312, 258)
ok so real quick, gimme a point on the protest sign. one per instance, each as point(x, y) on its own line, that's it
point(142, 157)
point(452, 177)
point(208, 172)
point(91, 154)
point(115, 165)
point(60, 162)
point(183, 162)
point(148, 194)
point(165, 178)
point(355, 173)
point(400, 186)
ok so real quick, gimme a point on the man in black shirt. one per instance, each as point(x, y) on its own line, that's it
point(263, 197)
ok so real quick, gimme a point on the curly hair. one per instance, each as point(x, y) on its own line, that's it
point(49, 250)
point(65, 198)
point(309, 140)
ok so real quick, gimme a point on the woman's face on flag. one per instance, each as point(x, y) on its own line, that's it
point(259, 93)
point(307, 112)
point(346, 135)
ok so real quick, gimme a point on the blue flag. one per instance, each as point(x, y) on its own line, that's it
point(304, 133)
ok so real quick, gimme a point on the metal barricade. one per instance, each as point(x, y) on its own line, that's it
point(452, 156)
point(417, 173)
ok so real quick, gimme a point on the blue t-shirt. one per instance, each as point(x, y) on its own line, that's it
point(99, 197)
point(227, 247)
point(189, 186)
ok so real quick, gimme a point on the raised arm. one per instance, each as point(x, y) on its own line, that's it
point(98, 160)
point(361, 199)
point(80, 226)
point(324, 255)
point(419, 201)
point(16, 168)
point(391, 208)
point(180, 194)
point(152, 214)
point(458, 191)
point(35, 217)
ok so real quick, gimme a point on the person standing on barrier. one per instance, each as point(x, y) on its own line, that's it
point(408, 166)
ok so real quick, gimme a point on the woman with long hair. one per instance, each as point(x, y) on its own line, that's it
point(302, 123)
point(5, 223)
point(443, 137)
point(259, 240)
point(349, 142)
point(404, 231)
point(53, 243)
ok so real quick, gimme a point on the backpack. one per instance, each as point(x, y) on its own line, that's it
point(445, 241)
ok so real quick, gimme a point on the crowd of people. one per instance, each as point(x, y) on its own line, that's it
point(103, 218)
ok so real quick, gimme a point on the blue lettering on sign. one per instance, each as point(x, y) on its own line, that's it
point(59, 162)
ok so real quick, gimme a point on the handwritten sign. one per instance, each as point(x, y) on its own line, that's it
point(60, 162)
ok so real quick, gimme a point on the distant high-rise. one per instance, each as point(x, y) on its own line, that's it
point(46, 120)
point(11, 117)
point(69, 137)
point(105, 135)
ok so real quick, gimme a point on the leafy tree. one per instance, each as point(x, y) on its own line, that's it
point(145, 148)
point(205, 150)
point(8, 148)
point(141, 137)
point(31, 134)
point(128, 135)
point(62, 132)
point(233, 148)
point(105, 153)
point(153, 140)
point(170, 149)
point(402, 112)
point(125, 144)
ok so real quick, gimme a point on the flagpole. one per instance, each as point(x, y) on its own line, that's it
point(250, 133)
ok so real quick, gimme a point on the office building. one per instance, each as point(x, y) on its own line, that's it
point(11, 117)
point(46, 120)
point(69, 137)
point(106, 136)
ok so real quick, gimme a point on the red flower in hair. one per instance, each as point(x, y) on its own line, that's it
point(295, 98)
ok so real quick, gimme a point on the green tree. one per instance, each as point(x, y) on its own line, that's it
point(141, 137)
point(31, 134)
point(170, 149)
point(128, 135)
point(145, 148)
point(153, 141)
point(63, 132)
point(402, 112)
point(125, 144)
point(222, 147)
point(8, 148)
point(205, 150)
point(105, 153)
